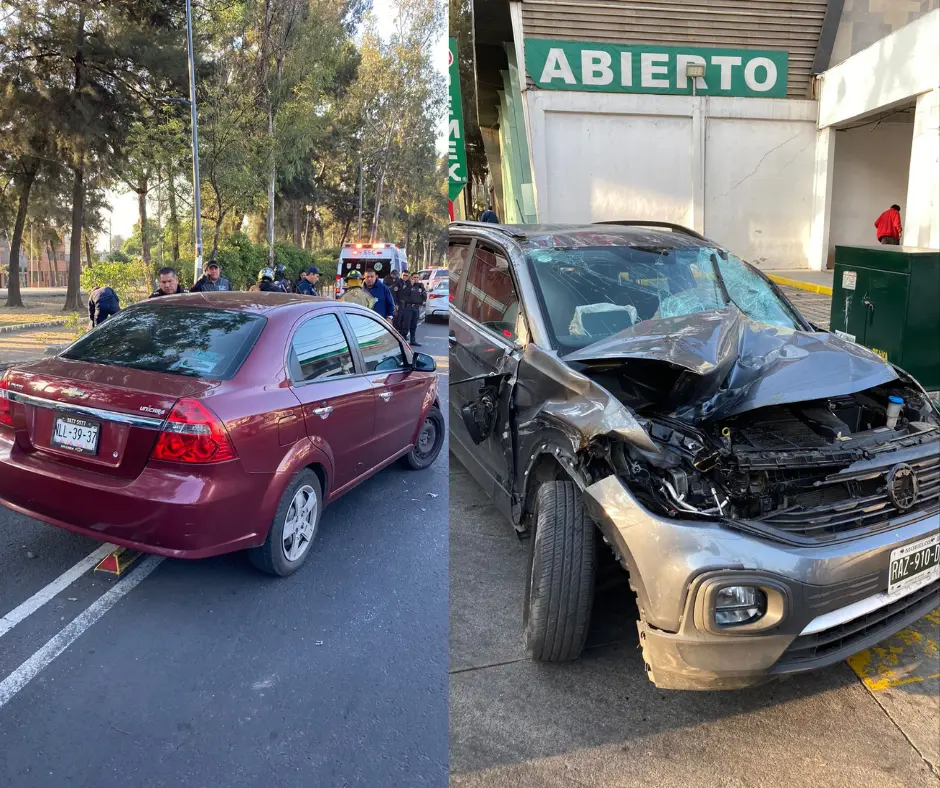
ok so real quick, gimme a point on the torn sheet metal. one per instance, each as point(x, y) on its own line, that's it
point(746, 364)
point(573, 403)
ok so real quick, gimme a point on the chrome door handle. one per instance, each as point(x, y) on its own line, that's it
point(386, 395)
point(323, 412)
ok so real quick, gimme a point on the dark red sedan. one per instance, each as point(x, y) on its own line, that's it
point(200, 424)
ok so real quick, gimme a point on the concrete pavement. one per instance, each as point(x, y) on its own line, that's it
point(211, 674)
point(599, 722)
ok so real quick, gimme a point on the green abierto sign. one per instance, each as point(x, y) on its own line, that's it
point(456, 152)
point(640, 68)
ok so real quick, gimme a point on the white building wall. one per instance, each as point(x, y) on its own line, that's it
point(922, 217)
point(617, 166)
point(759, 188)
point(741, 170)
point(870, 173)
point(886, 74)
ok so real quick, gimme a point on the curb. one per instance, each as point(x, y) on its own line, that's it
point(28, 326)
point(809, 287)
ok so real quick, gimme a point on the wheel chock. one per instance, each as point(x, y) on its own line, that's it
point(117, 562)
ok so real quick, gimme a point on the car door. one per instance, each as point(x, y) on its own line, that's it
point(399, 389)
point(487, 333)
point(338, 404)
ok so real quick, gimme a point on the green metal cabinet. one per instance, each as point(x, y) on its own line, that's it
point(887, 298)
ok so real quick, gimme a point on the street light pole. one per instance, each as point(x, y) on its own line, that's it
point(197, 202)
point(359, 230)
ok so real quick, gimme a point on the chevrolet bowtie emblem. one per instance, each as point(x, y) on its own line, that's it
point(74, 393)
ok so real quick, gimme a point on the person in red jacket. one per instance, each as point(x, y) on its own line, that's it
point(888, 226)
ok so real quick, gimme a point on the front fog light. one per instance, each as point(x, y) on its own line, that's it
point(737, 605)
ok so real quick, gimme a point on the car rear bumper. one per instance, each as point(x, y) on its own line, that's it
point(175, 511)
point(832, 596)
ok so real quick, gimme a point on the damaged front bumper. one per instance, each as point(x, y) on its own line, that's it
point(829, 600)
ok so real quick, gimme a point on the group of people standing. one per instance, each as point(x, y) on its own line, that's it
point(399, 298)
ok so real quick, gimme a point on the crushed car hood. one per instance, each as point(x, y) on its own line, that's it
point(744, 364)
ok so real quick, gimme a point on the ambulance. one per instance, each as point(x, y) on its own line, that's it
point(379, 257)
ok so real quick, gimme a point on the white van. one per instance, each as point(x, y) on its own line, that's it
point(381, 258)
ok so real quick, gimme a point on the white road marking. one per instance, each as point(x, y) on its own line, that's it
point(43, 595)
point(26, 672)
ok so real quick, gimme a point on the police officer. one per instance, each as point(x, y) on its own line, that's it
point(309, 282)
point(394, 283)
point(354, 292)
point(398, 293)
point(414, 297)
point(211, 280)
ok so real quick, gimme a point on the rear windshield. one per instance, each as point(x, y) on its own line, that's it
point(179, 340)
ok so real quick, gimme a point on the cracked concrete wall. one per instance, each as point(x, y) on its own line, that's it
point(864, 22)
point(739, 170)
point(759, 189)
point(870, 173)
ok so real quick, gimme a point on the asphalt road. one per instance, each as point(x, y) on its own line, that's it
point(599, 722)
point(210, 674)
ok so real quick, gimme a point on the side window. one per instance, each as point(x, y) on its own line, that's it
point(458, 262)
point(490, 297)
point(319, 350)
point(380, 350)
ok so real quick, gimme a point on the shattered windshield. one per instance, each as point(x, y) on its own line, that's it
point(591, 293)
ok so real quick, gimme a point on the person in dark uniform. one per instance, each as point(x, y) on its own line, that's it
point(211, 280)
point(103, 303)
point(398, 293)
point(309, 282)
point(392, 278)
point(169, 283)
point(394, 283)
point(414, 297)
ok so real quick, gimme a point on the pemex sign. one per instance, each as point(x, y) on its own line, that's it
point(612, 68)
point(456, 152)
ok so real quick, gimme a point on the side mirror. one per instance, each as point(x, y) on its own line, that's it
point(422, 362)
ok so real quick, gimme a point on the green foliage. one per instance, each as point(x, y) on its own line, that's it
point(117, 256)
point(131, 281)
point(241, 260)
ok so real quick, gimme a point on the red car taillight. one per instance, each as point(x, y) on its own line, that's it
point(6, 407)
point(193, 433)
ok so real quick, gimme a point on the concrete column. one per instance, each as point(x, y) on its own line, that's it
point(699, 121)
point(818, 252)
point(921, 218)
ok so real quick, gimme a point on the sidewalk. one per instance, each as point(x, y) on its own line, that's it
point(21, 346)
point(819, 282)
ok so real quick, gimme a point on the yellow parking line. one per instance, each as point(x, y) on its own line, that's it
point(808, 286)
point(907, 658)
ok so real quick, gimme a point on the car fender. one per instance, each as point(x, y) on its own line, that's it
point(431, 399)
point(300, 455)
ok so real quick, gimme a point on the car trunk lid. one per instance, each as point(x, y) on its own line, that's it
point(94, 416)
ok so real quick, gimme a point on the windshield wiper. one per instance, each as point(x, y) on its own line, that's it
point(713, 258)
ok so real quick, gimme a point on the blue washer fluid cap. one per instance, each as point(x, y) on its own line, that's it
point(896, 399)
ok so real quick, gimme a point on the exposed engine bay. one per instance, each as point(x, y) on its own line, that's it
point(789, 466)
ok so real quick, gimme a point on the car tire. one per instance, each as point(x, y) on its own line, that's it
point(284, 553)
point(430, 441)
point(561, 576)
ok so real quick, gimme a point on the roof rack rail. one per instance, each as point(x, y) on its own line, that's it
point(500, 228)
point(676, 228)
